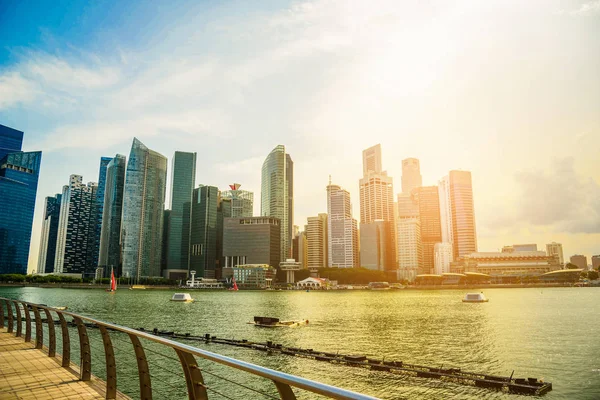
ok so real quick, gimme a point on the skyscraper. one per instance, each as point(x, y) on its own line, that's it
point(342, 249)
point(316, 241)
point(411, 175)
point(277, 194)
point(555, 250)
point(99, 210)
point(463, 213)
point(442, 258)
point(242, 201)
point(183, 180)
point(110, 236)
point(251, 240)
point(76, 228)
point(19, 172)
point(445, 210)
point(410, 249)
point(376, 248)
point(431, 230)
point(203, 242)
point(47, 251)
point(143, 206)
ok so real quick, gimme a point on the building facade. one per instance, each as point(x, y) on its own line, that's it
point(316, 241)
point(277, 195)
point(203, 243)
point(183, 180)
point(47, 251)
point(446, 211)
point(411, 175)
point(109, 257)
point(342, 229)
point(596, 262)
point(507, 265)
point(556, 250)
point(580, 261)
point(376, 248)
point(242, 201)
point(98, 210)
point(410, 248)
point(462, 207)
point(143, 212)
point(443, 258)
point(253, 240)
point(431, 226)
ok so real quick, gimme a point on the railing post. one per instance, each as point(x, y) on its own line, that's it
point(285, 391)
point(10, 316)
point(66, 341)
point(143, 372)
point(2, 313)
point(27, 322)
point(39, 329)
point(193, 376)
point(111, 366)
point(85, 365)
point(51, 334)
point(19, 320)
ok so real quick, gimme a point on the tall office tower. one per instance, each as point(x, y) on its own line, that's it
point(596, 262)
point(143, 211)
point(372, 160)
point(464, 232)
point(165, 240)
point(110, 234)
point(410, 249)
point(277, 194)
point(242, 201)
point(19, 172)
point(316, 241)
point(411, 175)
point(376, 189)
point(443, 258)
point(295, 243)
point(407, 206)
point(431, 230)
point(76, 228)
point(580, 261)
point(303, 250)
point(203, 242)
point(49, 234)
point(251, 240)
point(445, 210)
point(98, 210)
point(183, 180)
point(555, 250)
point(376, 247)
point(342, 230)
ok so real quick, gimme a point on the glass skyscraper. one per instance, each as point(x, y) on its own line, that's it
point(143, 211)
point(49, 234)
point(203, 254)
point(110, 236)
point(277, 194)
point(241, 201)
point(183, 178)
point(99, 209)
point(19, 172)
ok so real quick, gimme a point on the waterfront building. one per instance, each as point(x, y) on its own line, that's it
point(316, 241)
point(410, 249)
point(242, 201)
point(251, 276)
point(446, 211)
point(596, 262)
point(251, 240)
point(290, 266)
point(109, 257)
point(411, 175)
point(203, 243)
point(506, 266)
point(47, 251)
point(556, 250)
point(463, 214)
point(443, 258)
point(277, 195)
point(183, 180)
point(342, 230)
point(376, 246)
point(431, 226)
point(19, 172)
point(143, 212)
point(98, 210)
point(75, 241)
point(580, 261)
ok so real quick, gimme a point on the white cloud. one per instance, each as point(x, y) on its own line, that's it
point(591, 8)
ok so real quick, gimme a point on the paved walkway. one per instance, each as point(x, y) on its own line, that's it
point(27, 373)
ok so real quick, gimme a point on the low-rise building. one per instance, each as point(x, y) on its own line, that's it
point(505, 264)
point(251, 276)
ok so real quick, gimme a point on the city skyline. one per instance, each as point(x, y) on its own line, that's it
point(454, 85)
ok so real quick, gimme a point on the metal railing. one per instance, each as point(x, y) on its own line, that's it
point(196, 387)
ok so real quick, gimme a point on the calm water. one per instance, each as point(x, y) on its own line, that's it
point(549, 333)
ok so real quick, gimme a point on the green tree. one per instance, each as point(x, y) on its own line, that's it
point(592, 275)
point(571, 266)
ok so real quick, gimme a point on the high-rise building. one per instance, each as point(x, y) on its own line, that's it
point(411, 175)
point(143, 211)
point(580, 261)
point(242, 201)
point(183, 180)
point(431, 230)
point(110, 236)
point(277, 195)
point(316, 241)
point(251, 240)
point(98, 210)
point(463, 213)
point(407, 206)
point(372, 160)
point(342, 230)
point(303, 249)
point(410, 249)
point(376, 247)
point(47, 251)
point(445, 210)
point(596, 262)
point(203, 243)
point(443, 258)
point(555, 249)
point(19, 172)
point(77, 229)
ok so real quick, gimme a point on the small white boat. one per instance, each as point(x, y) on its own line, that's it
point(185, 297)
point(475, 298)
point(268, 322)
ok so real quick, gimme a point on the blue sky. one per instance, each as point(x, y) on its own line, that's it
point(507, 89)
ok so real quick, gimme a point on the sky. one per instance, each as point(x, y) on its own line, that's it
point(507, 89)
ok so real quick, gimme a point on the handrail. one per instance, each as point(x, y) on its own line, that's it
point(193, 374)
